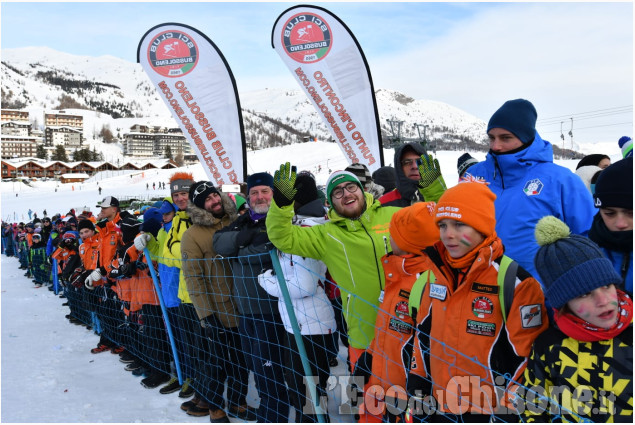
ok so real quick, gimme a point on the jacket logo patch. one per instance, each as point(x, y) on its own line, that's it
point(481, 328)
point(485, 289)
point(533, 187)
point(438, 291)
point(482, 307)
point(531, 315)
point(399, 326)
point(404, 294)
point(401, 310)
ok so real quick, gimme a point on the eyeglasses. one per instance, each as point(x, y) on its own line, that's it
point(338, 192)
point(202, 188)
point(409, 162)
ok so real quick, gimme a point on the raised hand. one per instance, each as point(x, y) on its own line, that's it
point(284, 185)
point(431, 183)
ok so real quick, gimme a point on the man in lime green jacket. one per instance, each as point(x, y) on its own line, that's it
point(351, 245)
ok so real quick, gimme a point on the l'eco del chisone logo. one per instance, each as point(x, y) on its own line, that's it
point(173, 54)
point(306, 38)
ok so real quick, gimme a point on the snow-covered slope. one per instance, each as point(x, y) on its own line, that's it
point(40, 78)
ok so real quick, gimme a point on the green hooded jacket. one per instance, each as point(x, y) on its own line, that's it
point(352, 251)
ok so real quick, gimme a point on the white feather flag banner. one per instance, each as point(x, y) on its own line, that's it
point(328, 63)
point(194, 80)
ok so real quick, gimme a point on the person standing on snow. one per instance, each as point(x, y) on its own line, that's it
point(260, 325)
point(528, 185)
point(210, 211)
point(612, 227)
point(312, 308)
point(417, 176)
point(351, 245)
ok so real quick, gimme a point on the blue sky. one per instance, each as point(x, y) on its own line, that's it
point(569, 59)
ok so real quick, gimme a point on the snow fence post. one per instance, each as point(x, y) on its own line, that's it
point(55, 278)
point(168, 327)
point(297, 334)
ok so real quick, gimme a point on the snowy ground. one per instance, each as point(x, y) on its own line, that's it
point(49, 374)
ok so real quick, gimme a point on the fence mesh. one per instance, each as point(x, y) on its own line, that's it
point(245, 323)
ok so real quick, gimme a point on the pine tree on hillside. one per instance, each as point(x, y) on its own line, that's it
point(168, 152)
point(59, 154)
point(40, 152)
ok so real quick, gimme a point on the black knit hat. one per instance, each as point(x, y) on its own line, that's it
point(569, 265)
point(614, 187)
point(85, 224)
point(130, 227)
point(259, 179)
point(385, 177)
point(464, 162)
point(518, 116)
point(362, 173)
point(307, 190)
point(199, 192)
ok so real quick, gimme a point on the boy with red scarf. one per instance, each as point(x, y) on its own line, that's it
point(585, 362)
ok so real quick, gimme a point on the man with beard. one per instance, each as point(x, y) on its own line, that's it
point(210, 288)
point(351, 245)
point(260, 326)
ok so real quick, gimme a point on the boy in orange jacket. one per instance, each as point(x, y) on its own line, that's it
point(473, 332)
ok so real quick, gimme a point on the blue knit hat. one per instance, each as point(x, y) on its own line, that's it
point(569, 265)
point(259, 179)
point(626, 145)
point(518, 116)
point(152, 221)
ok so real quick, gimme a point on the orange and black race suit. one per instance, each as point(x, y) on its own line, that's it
point(391, 348)
point(464, 351)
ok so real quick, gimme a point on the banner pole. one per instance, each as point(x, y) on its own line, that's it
point(168, 326)
point(297, 335)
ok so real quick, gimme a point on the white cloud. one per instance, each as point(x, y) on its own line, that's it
point(564, 57)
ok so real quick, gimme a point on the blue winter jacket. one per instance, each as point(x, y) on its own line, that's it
point(623, 264)
point(529, 186)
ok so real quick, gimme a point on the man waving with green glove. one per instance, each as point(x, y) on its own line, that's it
point(351, 245)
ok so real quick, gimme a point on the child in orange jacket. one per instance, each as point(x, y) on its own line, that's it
point(385, 362)
point(471, 343)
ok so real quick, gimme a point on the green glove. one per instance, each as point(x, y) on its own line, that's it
point(431, 183)
point(284, 185)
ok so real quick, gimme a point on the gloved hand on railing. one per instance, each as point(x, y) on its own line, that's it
point(95, 276)
point(141, 241)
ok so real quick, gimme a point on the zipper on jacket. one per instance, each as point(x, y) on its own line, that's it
point(497, 166)
point(625, 262)
point(375, 256)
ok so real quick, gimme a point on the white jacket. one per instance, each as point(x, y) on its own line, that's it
point(304, 278)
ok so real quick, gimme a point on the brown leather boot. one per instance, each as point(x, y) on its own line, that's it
point(218, 416)
point(201, 409)
point(190, 403)
point(244, 413)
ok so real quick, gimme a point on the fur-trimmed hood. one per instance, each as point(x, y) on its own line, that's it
point(202, 217)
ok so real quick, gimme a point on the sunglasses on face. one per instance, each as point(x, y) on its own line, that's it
point(202, 188)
